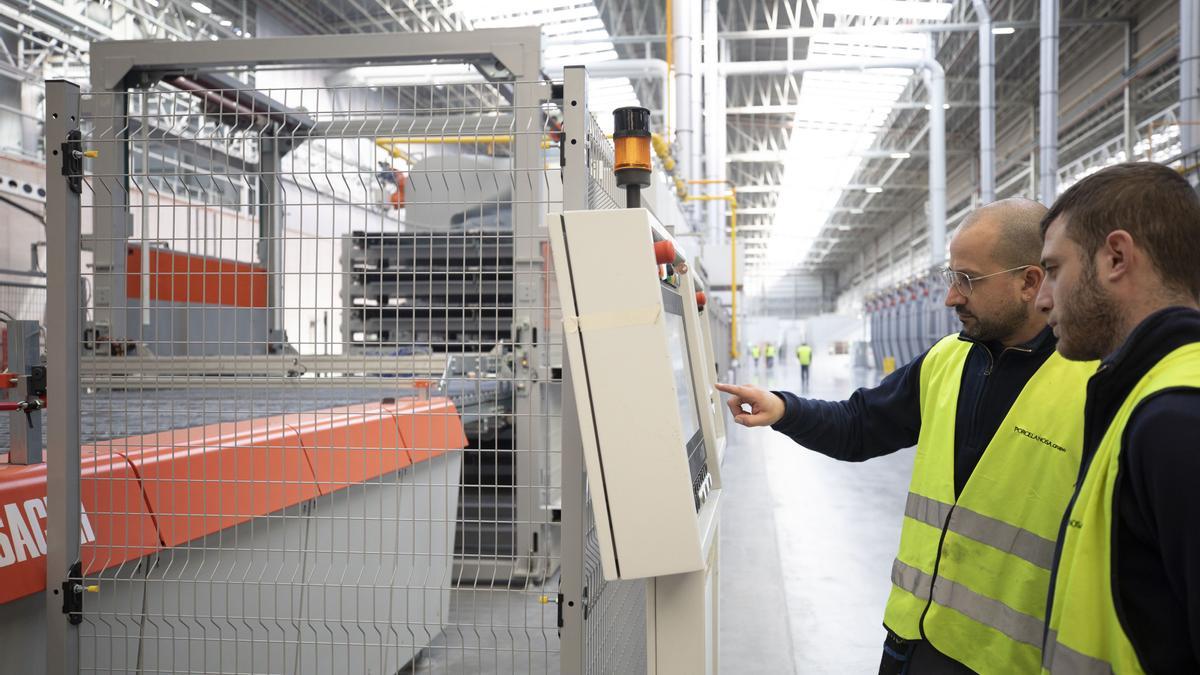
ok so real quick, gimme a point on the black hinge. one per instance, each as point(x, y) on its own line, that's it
point(560, 604)
point(37, 380)
point(72, 160)
point(72, 590)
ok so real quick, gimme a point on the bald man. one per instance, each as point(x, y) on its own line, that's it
point(996, 417)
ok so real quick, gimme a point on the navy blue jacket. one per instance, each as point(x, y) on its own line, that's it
point(1156, 538)
point(881, 420)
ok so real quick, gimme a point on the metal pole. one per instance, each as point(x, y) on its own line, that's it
point(987, 105)
point(1048, 98)
point(575, 197)
point(714, 168)
point(1130, 121)
point(1189, 74)
point(62, 334)
point(270, 233)
point(684, 131)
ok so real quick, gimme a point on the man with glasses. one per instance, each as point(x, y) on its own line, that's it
point(996, 416)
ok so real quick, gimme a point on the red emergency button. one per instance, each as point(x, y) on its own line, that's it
point(700, 299)
point(664, 252)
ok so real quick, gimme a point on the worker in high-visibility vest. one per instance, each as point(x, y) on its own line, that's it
point(754, 352)
point(995, 416)
point(804, 356)
point(1121, 251)
point(770, 354)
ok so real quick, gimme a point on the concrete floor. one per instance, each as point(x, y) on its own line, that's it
point(807, 542)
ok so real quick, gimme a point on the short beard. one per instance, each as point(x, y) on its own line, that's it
point(1000, 327)
point(1088, 325)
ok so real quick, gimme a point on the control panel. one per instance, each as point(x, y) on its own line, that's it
point(640, 358)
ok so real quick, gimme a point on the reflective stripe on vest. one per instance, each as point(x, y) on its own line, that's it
point(1014, 624)
point(972, 575)
point(1085, 633)
point(1059, 658)
point(995, 533)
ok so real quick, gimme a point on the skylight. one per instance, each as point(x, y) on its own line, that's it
point(576, 21)
point(839, 116)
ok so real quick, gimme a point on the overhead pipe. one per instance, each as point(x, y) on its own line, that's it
point(682, 52)
point(695, 163)
point(1048, 100)
point(825, 31)
point(937, 122)
point(1189, 75)
point(714, 115)
point(730, 199)
point(987, 104)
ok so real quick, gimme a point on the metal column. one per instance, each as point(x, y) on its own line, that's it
point(63, 335)
point(987, 104)
point(574, 480)
point(1048, 102)
point(270, 235)
point(1189, 74)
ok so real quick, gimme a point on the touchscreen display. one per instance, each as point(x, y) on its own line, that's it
point(681, 366)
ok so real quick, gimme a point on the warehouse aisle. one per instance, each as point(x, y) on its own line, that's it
point(806, 543)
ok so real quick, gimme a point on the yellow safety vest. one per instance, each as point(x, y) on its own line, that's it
point(974, 573)
point(804, 354)
point(1085, 634)
point(770, 351)
point(754, 351)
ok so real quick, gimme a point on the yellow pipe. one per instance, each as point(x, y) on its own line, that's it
point(732, 200)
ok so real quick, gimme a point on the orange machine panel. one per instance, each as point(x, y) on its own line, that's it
point(430, 428)
point(183, 277)
point(115, 524)
point(203, 479)
point(350, 444)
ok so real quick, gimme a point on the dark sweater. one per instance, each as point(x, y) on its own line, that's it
point(1156, 546)
point(881, 420)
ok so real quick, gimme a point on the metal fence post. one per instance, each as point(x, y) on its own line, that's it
point(575, 197)
point(64, 176)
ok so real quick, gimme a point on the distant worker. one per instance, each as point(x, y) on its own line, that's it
point(804, 356)
point(995, 415)
point(1121, 254)
point(770, 355)
point(755, 352)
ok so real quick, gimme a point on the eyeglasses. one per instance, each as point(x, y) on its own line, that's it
point(963, 283)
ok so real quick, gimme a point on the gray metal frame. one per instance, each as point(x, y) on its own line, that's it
point(63, 332)
point(500, 54)
point(572, 596)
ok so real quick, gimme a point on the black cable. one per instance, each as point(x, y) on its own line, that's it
point(22, 207)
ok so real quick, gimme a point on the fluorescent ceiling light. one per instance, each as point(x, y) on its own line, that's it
point(900, 155)
point(226, 22)
point(900, 9)
point(201, 7)
point(1003, 30)
point(857, 212)
point(152, 3)
point(874, 190)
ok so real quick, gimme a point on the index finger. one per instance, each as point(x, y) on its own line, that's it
point(735, 389)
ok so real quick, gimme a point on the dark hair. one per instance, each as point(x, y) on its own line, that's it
point(1153, 203)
